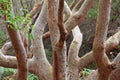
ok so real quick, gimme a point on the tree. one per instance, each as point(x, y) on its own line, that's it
point(60, 26)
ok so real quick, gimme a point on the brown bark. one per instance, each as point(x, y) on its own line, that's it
point(46, 35)
point(60, 46)
point(20, 54)
point(115, 74)
point(78, 17)
point(54, 33)
point(39, 64)
point(57, 35)
point(19, 51)
point(101, 59)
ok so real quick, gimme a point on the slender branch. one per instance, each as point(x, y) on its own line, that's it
point(78, 17)
point(77, 6)
point(73, 4)
point(73, 50)
point(7, 61)
point(35, 9)
point(60, 22)
point(6, 47)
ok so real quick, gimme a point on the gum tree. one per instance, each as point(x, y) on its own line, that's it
point(61, 20)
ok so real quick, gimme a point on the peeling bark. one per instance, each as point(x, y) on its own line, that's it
point(57, 35)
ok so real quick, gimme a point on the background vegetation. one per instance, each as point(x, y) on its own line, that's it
point(7, 73)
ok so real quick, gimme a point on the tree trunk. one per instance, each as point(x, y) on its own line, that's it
point(57, 39)
point(102, 61)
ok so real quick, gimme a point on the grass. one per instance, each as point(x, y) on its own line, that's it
point(8, 73)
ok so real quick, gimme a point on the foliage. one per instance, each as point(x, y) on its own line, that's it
point(7, 74)
point(1, 37)
point(32, 77)
point(93, 12)
point(79, 79)
point(15, 22)
point(69, 1)
point(85, 72)
point(115, 10)
point(115, 4)
point(1, 71)
point(49, 55)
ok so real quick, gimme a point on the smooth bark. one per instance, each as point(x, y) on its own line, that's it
point(73, 72)
point(78, 17)
point(41, 65)
point(20, 54)
point(101, 59)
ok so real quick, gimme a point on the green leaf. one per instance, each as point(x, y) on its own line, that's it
point(1, 70)
point(85, 72)
point(31, 37)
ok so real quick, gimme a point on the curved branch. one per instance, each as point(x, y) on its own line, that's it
point(43, 67)
point(6, 47)
point(99, 41)
point(73, 50)
point(7, 61)
point(20, 53)
point(78, 17)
